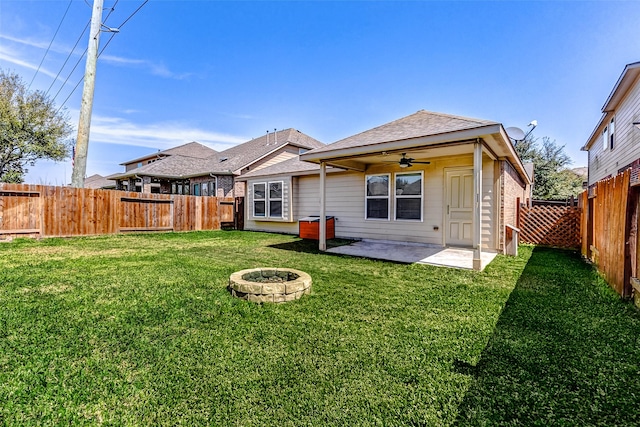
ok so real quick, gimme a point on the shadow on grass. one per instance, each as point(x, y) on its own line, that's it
point(309, 246)
point(565, 351)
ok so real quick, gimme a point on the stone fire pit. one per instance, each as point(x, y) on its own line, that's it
point(269, 284)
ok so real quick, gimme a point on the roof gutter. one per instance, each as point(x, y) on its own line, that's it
point(430, 140)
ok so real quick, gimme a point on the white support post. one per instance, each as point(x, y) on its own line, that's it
point(323, 207)
point(477, 210)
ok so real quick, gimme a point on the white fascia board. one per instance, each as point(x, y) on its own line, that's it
point(351, 152)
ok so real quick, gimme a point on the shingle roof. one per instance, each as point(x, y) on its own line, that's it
point(175, 166)
point(419, 124)
point(292, 166)
point(191, 149)
point(98, 181)
point(245, 154)
point(179, 165)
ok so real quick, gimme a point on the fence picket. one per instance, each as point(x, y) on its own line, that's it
point(48, 211)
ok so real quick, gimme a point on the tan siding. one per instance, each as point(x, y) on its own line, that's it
point(627, 139)
point(345, 201)
point(285, 153)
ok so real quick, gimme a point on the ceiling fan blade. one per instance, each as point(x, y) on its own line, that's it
point(423, 163)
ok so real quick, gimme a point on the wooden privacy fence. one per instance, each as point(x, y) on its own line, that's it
point(550, 225)
point(47, 211)
point(609, 232)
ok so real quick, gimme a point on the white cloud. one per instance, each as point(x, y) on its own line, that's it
point(28, 42)
point(157, 69)
point(154, 68)
point(13, 58)
point(163, 135)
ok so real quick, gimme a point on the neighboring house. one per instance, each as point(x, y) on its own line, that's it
point(99, 182)
point(377, 188)
point(144, 174)
point(614, 144)
point(204, 172)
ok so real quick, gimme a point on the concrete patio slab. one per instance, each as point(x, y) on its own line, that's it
point(413, 253)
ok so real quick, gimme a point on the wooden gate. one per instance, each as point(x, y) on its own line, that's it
point(20, 212)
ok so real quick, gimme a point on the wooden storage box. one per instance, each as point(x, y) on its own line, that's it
point(310, 227)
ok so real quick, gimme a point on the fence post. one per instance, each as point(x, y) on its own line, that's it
point(630, 234)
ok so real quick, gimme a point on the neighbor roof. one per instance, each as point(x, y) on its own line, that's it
point(230, 161)
point(293, 167)
point(419, 124)
point(191, 149)
point(175, 166)
point(98, 181)
point(625, 82)
point(243, 155)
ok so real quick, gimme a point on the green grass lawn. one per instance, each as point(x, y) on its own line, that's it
point(140, 330)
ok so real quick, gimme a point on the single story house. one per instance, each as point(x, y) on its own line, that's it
point(198, 170)
point(428, 178)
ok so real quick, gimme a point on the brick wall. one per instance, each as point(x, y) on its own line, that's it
point(512, 187)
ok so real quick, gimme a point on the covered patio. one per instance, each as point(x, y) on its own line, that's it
point(415, 253)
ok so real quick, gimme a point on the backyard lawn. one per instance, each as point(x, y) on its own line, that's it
point(141, 330)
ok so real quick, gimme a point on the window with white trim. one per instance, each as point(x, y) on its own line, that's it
point(605, 138)
point(275, 199)
point(408, 196)
point(260, 199)
point(611, 133)
point(268, 199)
point(377, 196)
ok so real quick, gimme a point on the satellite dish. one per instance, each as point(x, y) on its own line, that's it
point(515, 133)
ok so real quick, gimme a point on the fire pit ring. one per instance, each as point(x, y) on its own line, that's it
point(269, 284)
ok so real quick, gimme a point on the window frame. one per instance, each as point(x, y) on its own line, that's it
point(605, 138)
point(262, 199)
point(367, 197)
point(276, 199)
point(408, 196)
point(612, 132)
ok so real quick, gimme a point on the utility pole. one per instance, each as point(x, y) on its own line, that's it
point(82, 142)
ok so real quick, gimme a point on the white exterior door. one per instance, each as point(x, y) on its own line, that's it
point(459, 207)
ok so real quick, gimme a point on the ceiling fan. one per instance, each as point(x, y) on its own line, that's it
point(407, 162)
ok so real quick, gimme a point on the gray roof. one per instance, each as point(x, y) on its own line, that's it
point(419, 124)
point(191, 149)
point(293, 166)
point(98, 181)
point(236, 158)
point(243, 155)
point(175, 166)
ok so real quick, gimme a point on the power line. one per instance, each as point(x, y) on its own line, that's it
point(71, 93)
point(70, 73)
point(79, 59)
point(54, 37)
point(99, 53)
point(69, 56)
point(134, 12)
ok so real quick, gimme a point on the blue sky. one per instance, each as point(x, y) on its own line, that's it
point(223, 72)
